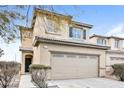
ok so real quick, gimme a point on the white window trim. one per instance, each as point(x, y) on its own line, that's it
point(81, 37)
point(119, 44)
point(103, 41)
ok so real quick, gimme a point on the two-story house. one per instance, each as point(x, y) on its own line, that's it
point(115, 54)
point(58, 41)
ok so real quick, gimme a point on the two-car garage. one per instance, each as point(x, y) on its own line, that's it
point(70, 60)
point(71, 65)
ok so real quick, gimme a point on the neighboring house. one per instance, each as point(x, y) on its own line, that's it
point(58, 41)
point(115, 54)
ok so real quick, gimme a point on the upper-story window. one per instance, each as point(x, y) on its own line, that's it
point(118, 43)
point(101, 41)
point(77, 33)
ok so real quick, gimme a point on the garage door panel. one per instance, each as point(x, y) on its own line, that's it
point(66, 66)
point(60, 67)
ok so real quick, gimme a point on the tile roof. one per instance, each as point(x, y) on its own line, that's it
point(67, 42)
point(108, 37)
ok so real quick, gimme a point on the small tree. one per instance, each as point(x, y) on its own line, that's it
point(118, 71)
point(8, 70)
point(1, 52)
point(39, 75)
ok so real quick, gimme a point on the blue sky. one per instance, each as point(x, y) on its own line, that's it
point(106, 20)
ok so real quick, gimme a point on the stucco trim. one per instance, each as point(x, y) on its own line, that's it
point(82, 24)
point(115, 52)
point(94, 35)
point(54, 51)
point(37, 40)
point(25, 49)
point(107, 37)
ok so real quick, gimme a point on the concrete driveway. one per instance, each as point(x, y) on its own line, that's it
point(87, 83)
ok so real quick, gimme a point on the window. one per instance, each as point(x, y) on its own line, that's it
point(117, 43)
point(101, 41)
point(84, 34)
point(77, 33)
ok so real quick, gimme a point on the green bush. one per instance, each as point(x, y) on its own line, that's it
point(39, 74)
point(118, 71)
point(38, 67)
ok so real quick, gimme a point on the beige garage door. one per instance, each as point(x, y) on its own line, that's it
point(68, 66)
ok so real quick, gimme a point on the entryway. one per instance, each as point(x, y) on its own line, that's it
point(28, 61)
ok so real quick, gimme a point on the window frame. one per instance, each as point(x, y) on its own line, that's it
point(117, 43)
point(81, 37)
point(84, 34)
point(101, 41)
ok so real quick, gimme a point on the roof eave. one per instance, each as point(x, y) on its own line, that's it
point(116, 37)
point(94, 35)
point(37, 40)
point(83, 24)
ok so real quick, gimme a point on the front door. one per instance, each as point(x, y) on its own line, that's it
point(27, 64)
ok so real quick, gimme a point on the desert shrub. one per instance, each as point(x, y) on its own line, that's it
point(38, 66)
point(118, 71)
point(39, 74)
point(8, 70)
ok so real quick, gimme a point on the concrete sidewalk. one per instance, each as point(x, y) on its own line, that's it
point(25, 82)
point(88, 83)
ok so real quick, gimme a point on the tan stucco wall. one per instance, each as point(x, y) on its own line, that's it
point(113, 53)
point(45, 53)
point(26, 41)
point(40, 28)
point(94, 40)
point(36, 55)
point(110, 42)
point(110, 62)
